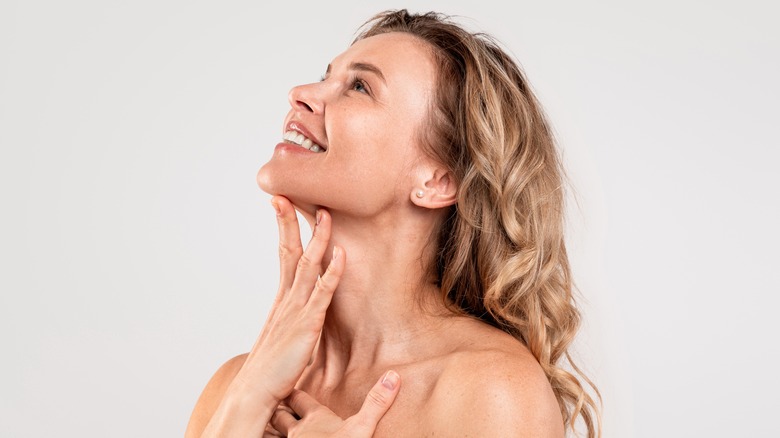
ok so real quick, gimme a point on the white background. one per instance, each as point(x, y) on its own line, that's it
point(137, 253)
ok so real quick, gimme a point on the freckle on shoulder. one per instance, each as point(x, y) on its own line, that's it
point(497, 366)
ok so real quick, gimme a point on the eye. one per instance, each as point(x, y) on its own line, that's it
point(359, 85)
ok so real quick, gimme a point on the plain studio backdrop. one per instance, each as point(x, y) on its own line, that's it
point(138, 254)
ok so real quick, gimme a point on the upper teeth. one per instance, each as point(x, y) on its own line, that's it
point(296, 137)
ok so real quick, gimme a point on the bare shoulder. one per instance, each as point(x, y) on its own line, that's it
point(212, 395)
point(494, 387)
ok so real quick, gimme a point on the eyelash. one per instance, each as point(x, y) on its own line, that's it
point(354, 81)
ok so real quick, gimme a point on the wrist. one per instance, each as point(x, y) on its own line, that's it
point(243, 411)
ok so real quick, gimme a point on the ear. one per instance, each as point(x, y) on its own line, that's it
point(434, 188)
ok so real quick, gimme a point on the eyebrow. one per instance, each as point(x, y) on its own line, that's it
point(364, 66)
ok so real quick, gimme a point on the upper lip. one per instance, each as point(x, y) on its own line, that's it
point(297, 126)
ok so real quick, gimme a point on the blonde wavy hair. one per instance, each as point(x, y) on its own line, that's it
point(500, 252)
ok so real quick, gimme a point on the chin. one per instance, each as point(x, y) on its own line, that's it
point(264, 180)
point(275, 185)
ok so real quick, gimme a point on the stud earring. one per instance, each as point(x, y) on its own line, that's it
point(420, 193)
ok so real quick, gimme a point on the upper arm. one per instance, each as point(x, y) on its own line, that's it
point(497, 395)
point(212, 395)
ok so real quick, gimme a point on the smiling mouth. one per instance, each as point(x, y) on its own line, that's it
point(296, 138)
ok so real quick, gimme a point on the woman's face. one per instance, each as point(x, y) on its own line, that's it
point(362, 123)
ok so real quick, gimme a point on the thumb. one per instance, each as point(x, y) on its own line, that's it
point(377, 402)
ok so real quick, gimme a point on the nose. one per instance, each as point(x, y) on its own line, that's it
point(306, 98)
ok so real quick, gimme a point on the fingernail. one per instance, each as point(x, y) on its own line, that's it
point(336, 253)
point(319, 216)
point(276, 207)
point(391, 380)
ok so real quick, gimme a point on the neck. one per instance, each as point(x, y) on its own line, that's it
point(384, 305)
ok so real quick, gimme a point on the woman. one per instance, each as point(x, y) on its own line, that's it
point(429, 175)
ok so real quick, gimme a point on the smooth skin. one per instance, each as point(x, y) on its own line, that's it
point(373, 309)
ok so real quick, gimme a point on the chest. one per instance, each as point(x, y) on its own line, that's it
point(405, 418)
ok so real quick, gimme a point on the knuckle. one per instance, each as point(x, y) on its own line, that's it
point(332, 270)
point(285, 219)
point(325, 283)
point(288, 252)
point(305, 262)
point(294, 398)
point(377, 399)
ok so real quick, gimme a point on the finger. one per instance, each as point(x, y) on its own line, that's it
point(302, 403)
point(270, 432)
point(290, 247)
point(326, 285)
point(377, 402)
point(310, 263)
point(282, 421)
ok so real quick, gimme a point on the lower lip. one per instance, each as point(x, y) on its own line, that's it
point(289, 148)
